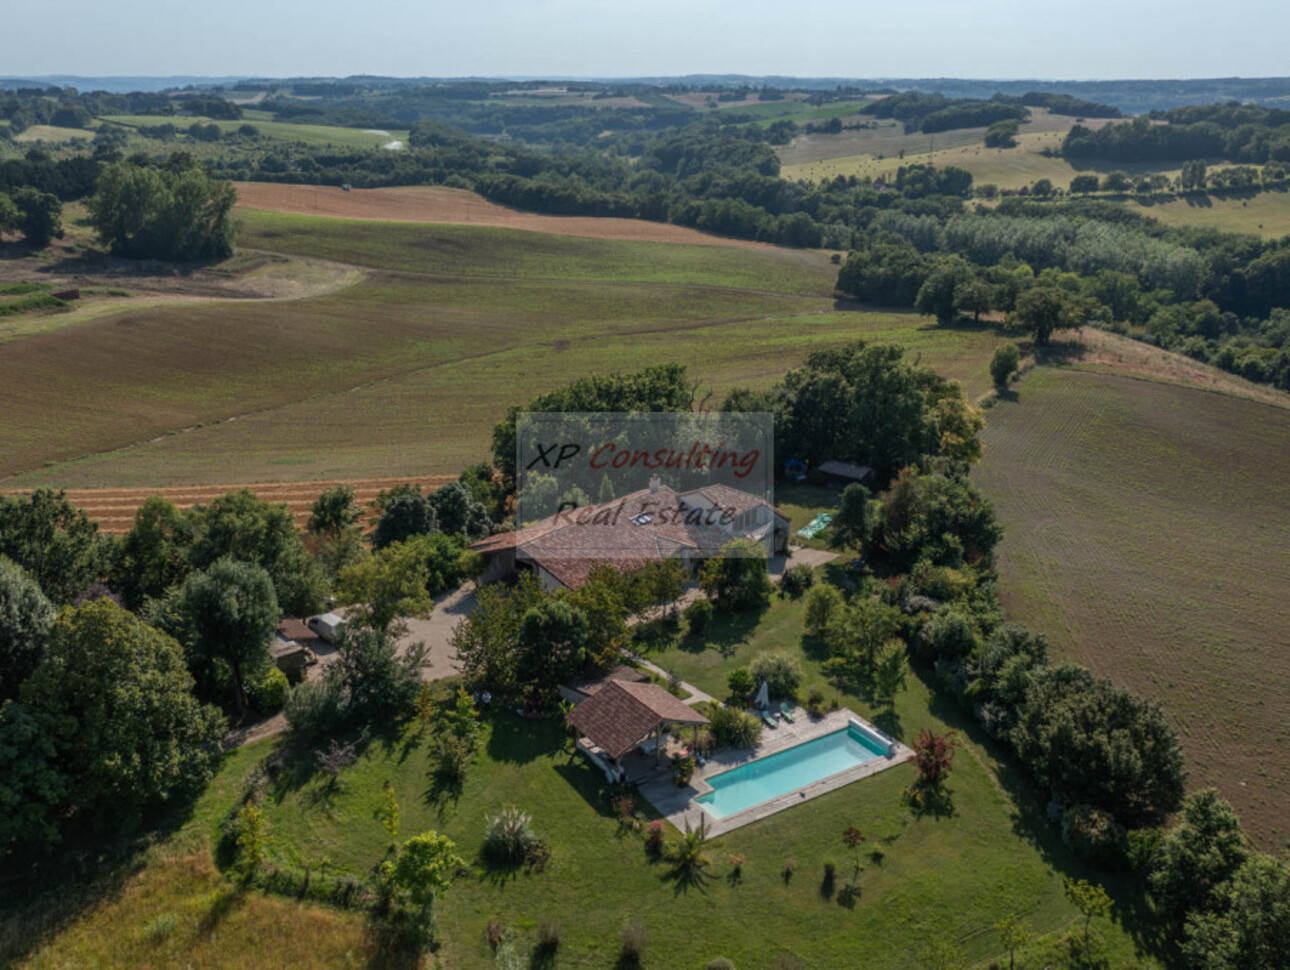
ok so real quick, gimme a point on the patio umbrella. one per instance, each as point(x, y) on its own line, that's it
point(763, 696)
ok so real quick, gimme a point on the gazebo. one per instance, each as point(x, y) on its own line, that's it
point(622, 714)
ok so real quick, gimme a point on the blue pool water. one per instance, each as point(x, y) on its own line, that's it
point(780, 773)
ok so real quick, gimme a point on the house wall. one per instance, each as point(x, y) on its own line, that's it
point(497, 566)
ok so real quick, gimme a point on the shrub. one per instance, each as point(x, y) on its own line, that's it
point(781, 672)
point(633, 939)
point(720, 963)
point(1094, 836)
point(654, 833)
point(823, 603)
point(741, 683)
point(682, 771)
point(507, 837)
point(697, 615)
point(674, 683)
point(734, 728)
point(537, 853)
point(269, 692)
point(1004, 364)
point(316, 707)
point(450, 758)
point(797, 579)
point(934, 756)
point(815, 702)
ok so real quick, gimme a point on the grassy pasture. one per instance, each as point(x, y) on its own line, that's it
point(275, 130)
point(181, 911)
point(1265, 214)
point(1008, 168)
point(51, 133)
point(407, 372)
point(1146, 535)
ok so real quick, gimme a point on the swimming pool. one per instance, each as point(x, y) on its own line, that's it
point(780, 773)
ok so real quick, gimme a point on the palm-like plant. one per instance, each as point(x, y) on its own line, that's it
point(687, 854)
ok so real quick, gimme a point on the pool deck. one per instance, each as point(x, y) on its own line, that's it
point(678, 805)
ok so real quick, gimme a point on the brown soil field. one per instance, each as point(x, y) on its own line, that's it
point(1145, 534)
point(462, 208)
point(114, 508)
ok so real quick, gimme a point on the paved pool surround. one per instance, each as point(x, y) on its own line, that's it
point(678, 805)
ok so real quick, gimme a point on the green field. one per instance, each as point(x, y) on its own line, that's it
point(50, 133)
point(1146, 534)
point(1006, 168)
point(408, 371)
point(275, 130)
point(943, 879)
point(1266, 214)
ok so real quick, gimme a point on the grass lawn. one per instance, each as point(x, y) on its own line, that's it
point(1146, 535)
point(941, 879)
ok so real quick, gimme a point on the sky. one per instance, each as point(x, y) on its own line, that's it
point(1043, 39)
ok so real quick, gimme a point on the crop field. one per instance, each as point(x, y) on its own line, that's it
point(459, 207)
point(888, 137)
point(114, 508)
point(406, 372)
point(1265, 214)
point(278, 130)
point(1007, 168)
point(1146, 535)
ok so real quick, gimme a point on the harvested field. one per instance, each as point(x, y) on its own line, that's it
point(462, 208)
point(1146, 535)
point(452, 303)
point(113, 508)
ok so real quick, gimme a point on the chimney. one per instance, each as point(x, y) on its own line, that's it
point(654, 483)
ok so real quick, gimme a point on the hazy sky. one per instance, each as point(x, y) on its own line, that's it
point(1057, 39)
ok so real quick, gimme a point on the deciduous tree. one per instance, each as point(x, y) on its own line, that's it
point(232, 611)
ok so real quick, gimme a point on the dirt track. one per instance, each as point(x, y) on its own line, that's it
point(114, 508)
point(459, 207)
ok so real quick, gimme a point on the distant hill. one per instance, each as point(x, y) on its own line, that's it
point(115, 85)
point(1131, 96)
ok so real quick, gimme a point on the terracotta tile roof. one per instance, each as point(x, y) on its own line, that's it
point(292, 629)
point(618, 716)
point(621, 672)
point(641, 527)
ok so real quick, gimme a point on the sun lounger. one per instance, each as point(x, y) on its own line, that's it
point(785, 712)
point(769, 719)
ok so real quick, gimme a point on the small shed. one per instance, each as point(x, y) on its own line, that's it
point(840, 474)
point(327, 626)
point(291, 657)
point(621, 715)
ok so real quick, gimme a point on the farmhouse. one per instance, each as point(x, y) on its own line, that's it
point(648, 525)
